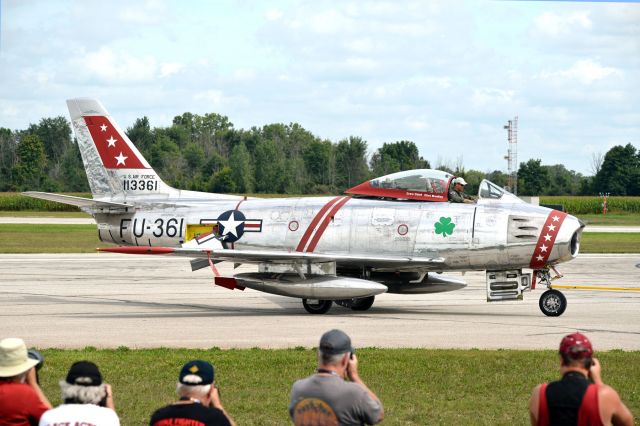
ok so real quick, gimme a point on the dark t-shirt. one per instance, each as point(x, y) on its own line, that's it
point(188, 415)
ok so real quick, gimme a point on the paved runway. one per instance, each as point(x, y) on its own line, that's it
point(108, 300)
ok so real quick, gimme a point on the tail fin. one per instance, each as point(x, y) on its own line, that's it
point(115, 168)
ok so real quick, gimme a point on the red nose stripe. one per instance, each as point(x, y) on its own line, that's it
point(546, 239)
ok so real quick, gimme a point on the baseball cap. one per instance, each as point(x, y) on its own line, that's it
point(460, 181)
point(84, 373)
point(576, 346)
point(13, 357)
point(335, 342)
point(196, 372)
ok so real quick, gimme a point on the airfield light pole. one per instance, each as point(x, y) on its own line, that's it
point(604, 202)
point(512, 154)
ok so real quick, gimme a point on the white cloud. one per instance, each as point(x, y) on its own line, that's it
point(584, 71)
point(168, 69)
point(554, 24)
point(108, 65)
point(217, 99)
point(419, 122)
point(491, 96)
point(148, 12)
point(329, 22)
point(41, 77)
point(113, 66)
point(273, 15)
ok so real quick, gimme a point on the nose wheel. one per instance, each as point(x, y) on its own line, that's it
point(552, 303)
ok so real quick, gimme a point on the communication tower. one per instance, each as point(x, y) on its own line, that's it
point(512, 154)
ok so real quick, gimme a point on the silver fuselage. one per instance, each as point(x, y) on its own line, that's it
point(485, 236)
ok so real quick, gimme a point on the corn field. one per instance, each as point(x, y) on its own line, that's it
point(14, 202)
point(590, 204)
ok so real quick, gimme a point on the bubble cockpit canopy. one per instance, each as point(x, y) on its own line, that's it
point(419, 184)
point(425, 185)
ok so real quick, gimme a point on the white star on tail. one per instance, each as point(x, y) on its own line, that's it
point(103, 128)
point(540, 258)
point(112, 141)
point(551, 228)
point(230, 225)
point(547, 237)
point(556, 218)
point(121, 159)
point(543, 248)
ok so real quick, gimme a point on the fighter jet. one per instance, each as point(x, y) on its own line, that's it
point(394, 234)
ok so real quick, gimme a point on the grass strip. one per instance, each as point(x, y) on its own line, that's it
point(30, 238)
point(610, 242)
point(416, 386)
point(611, 219)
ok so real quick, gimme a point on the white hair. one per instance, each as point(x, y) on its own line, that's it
point(326, 359)
point(193, 391)
point(83, 394)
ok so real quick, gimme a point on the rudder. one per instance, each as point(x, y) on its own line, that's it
point(115, 168)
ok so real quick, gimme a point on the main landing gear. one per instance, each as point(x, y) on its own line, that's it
point(552, 302)
point(317, 307)
point(323, 306)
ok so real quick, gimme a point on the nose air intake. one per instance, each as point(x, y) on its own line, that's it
point(575, 239)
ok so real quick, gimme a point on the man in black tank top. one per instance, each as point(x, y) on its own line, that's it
point(580, 397)
point(565, 396)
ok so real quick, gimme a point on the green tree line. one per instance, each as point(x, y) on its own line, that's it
point(207, 153)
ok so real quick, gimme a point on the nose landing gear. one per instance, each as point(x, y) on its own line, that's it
point(552, 302)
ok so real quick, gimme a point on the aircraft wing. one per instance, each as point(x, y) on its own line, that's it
point(83, 203)
point(395, 263)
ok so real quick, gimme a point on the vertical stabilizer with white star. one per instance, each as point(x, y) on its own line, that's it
point(115, 168)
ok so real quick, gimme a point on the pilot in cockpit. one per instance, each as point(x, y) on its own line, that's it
point(456, 192)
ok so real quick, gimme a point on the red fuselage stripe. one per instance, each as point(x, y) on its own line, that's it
point(328, 218)
point(314, 223)
point(547, 239)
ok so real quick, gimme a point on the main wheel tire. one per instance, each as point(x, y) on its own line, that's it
point(345, 303)
point(363, 303)
point(317, 307)
point(552, 303)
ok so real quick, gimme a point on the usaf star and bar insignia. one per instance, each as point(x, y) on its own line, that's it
point(229, 227)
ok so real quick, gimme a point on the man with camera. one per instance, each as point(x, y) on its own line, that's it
point(22, 402)
point(199, 402)
point(580, 397)
point(87, 400)
point(326, 398)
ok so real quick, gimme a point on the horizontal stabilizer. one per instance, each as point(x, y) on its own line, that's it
point(83, 203)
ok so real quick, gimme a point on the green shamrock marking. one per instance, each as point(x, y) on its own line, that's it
point(445, 226)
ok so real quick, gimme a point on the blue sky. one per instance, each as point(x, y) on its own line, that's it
point(446, 75)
